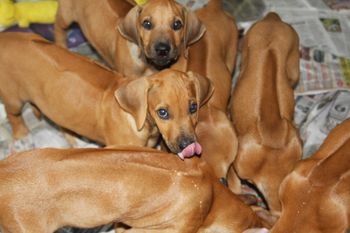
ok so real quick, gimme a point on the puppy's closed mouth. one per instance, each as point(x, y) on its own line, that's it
point(161, 62)
point(191, 150)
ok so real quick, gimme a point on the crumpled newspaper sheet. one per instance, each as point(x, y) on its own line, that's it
point(317, 115)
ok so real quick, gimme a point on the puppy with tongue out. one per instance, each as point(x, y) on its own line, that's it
point(192, 149)
point(174, 110)
point(176, 121)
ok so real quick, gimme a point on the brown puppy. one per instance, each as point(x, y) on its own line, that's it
point(316, 195)
point(92, 101)
point(134, 41)
point(45, 189)
point(263, 106)
point(214, 56)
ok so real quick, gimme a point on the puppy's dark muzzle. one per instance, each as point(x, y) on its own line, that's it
point(163, 55)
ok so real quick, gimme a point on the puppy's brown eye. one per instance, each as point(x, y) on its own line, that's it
point(147, 24)
point(193, 108)
point(177, 25)
point(163, 113)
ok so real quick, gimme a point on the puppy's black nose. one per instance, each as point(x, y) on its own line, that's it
point(162, 49)
point(184, 142)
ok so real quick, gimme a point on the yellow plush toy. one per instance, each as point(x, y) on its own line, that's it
point(140, 2)
point(25, 13)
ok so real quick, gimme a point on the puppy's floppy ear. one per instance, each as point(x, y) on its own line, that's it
point(194, 29)
point(204, 87)
point(128, 26)
point(132, 98)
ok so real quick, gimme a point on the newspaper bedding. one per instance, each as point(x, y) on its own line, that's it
point(322, 96)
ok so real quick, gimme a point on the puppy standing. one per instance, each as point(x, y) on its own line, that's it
point(152, 191)
point(150, 37)
point(92, 101)
point(263, 107)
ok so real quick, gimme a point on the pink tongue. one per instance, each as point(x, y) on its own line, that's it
point(190, 150)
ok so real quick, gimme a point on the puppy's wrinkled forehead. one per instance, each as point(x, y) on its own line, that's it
point(162, 11)
point(175, 86)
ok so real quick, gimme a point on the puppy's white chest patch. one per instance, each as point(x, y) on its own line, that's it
point(135, 53)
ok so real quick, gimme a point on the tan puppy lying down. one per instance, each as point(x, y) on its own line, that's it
point(133, 41)
point(263, 106)
point(316, 195)
point(152, 191)
point(92, 101)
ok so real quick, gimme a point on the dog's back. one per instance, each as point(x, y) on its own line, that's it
point(27, 62)
point(264, 92)
point(44, 189)
point(37, 71)
point(29, 52)
point(263, 105)
point(318, 189)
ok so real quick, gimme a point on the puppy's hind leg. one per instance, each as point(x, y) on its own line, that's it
point(13, 110)
point(62, 22)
